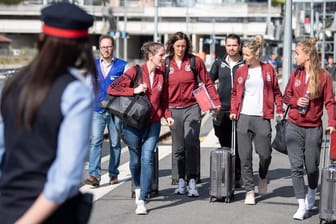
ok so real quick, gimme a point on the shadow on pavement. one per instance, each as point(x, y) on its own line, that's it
point(279, 173)
point(283, 192)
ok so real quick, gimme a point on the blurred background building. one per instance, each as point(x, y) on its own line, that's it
point(132, 22)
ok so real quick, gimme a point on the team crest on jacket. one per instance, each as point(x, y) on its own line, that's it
point(223, 65)
point(297, 83)
point(160, 86)
point(268, 77)
point(171, 70)
point(240, 80)
point(187, 68)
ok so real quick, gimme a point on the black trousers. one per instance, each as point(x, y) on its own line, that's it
point(223, 130)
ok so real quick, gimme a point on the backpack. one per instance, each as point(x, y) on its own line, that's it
point(192, 67)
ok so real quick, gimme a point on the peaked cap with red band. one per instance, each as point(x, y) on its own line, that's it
point(65, 20)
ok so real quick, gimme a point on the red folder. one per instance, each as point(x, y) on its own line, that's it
point(203, 98)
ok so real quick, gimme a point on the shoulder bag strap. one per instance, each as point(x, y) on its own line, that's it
point(137, 76)
point(193, 67)
point(167, 67)
point(287, 109)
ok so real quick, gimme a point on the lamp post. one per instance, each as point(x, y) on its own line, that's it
point(323, 34)
point(268, 19)
point(125, 30)
point(311, 18)
point(187, 18)
point(116, 37)
point(287, 53)
point(156, 14)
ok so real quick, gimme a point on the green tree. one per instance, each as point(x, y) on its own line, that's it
point(10, 2)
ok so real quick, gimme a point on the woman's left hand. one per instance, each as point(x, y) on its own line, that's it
point(330, 130)
point(216, 111)
point(142, 88)
point(281, 116)
point(170, 121)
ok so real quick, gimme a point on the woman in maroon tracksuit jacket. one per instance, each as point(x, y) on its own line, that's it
point(142, 142)
point(185, 110)
point(255, 93)
point(304, 131)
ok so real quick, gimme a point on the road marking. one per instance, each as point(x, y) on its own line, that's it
point(124, 176)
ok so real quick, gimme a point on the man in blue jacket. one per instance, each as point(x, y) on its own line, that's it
point(109, 69)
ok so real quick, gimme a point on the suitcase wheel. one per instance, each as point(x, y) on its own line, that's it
point(322, 221)
point(133, 194)
point(229, 199)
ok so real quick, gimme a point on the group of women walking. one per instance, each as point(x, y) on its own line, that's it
point(255, 98)
point(256, 93)
point(41, 168)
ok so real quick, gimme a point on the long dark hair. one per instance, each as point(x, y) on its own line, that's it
point(34, 81)
point(178, 36)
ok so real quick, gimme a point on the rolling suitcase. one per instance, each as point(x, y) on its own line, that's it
point(222, 172)
point(154, 190)
point(328, 185)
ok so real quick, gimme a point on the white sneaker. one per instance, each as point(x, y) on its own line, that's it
point(310, 199)
point(181, 187)
point(137, 195)
point(192, 189)
point(300, 214)
point(249, 198)
point(141, 209)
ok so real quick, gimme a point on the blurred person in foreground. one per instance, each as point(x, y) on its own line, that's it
point(47, 110)
point(304, 131)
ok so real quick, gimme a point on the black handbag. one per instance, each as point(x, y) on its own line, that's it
point(133, 110)
point(279, 141)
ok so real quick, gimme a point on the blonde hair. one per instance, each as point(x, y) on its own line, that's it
point(255, 45)
point(308, 47)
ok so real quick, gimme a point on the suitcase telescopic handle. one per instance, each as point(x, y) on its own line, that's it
point(326, 151)
point(233, 138)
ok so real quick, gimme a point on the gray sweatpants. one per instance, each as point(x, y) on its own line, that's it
point(304, 147)
point(254, 129)
point(185, 139)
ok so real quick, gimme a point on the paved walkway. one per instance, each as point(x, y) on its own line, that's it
point(113, 204)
